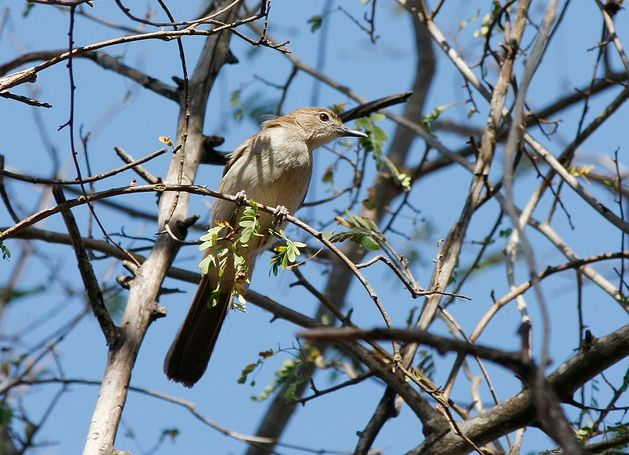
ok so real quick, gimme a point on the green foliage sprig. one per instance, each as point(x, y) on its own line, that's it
point(288, 374)
point(364, 232)
point(286, 254)
point(374, 143)
point(222, 254)
point(6, 253)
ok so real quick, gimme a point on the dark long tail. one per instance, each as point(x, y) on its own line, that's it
point(190, 353)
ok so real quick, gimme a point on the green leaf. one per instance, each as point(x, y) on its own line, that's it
point(376, 137)
point(291, 392)
point(364, 232)
point(374, 143)
point(504, 233)
point(206, 263)
point(6, 253)
point(211, 238)
point(286, 254)
point(434, 115)
point(28, 7)
point(6, 415)
point(245, 372)
point(315, 22)
point(369, 243)
point(287, 374)
point(484, 31)
point(250, 224)
point(215, 295)
point(234, 98)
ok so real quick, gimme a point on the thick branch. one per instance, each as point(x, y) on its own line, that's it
point(511, 360)
point(145, 287)
point(519, 411)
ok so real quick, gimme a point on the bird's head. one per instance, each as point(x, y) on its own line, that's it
point(317, 125)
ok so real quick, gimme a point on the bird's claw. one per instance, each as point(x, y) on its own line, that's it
point(280, 213)
point(241, 197)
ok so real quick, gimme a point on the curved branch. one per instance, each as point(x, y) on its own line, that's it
point(519, 410)
point(30, 74)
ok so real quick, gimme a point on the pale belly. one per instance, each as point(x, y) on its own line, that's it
point(288, 190)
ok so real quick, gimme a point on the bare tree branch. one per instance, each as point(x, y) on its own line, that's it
point(94, 294)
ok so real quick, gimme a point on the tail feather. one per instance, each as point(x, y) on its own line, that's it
point(190, 353)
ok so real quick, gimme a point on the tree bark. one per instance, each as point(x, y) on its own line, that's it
point(144, 288)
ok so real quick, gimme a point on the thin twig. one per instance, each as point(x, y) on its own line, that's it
point(132, 164)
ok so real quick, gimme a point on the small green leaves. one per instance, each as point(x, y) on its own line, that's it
point(250, 224)
point(207, 262)
point(211, 238)
point(374, 143)
point(289, 374)
point(489, 18)
point(337, 108)
point(234, 98)
point(581, 171)
point(210, 241)
point(6, 253)
point(431, 117)
point(504, 233)
point(236, 105)
point(376, 137)
point(404, 180)
point(6, 415)
point(286, 254)
point(434, 115)
point(215, 295)
point(28, 7)
point(364, 232)
point(250, 368)
point(241, 279)
point(369, 243)
point(315, 22)
point(245, 372)
point(220, 253)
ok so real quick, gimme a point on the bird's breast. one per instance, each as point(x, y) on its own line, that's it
point(273, 170)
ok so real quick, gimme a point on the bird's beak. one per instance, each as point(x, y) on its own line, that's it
point(348, 132)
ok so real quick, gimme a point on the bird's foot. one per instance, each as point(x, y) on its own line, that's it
point(241, 197)
point(279, 214)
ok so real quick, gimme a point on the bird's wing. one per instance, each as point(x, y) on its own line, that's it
point(235, 155)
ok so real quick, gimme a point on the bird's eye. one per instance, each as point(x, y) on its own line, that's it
point(324, 117)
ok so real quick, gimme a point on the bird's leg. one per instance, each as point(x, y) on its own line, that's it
point(279, 214)
point(241, 197)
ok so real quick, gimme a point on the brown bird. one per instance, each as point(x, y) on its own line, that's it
point(273, 168)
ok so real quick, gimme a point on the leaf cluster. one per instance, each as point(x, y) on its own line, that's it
point(6, 253)
point(286, 254)
point(290, 374)
point(374, 144)
point(225, 248)
point(364, 232)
